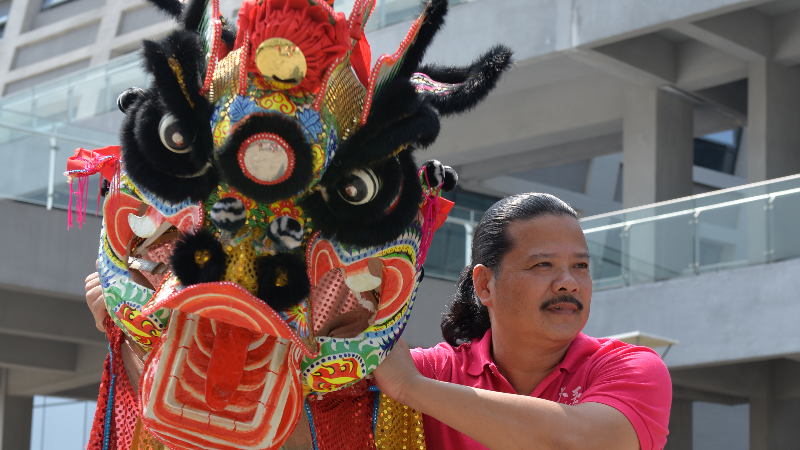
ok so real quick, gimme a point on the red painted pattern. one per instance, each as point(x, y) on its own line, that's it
point(230, 303)
point(398, 276)
point(118, 231)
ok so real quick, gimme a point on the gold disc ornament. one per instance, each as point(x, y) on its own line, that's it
point(281, 61)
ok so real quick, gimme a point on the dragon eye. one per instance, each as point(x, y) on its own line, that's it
point(171, 137)
point(360, 186)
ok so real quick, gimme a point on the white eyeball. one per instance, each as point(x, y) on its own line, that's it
point(360, 187)
point(171, 137)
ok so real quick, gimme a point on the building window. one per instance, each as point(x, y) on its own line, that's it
point(718, 151)
point(47, 4)
point(4, 8)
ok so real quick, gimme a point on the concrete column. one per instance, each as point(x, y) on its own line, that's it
point(680, 425)
point(658, 147)
point(20, 14)
point(773, 112)
point(109, 25)
point(759, 423)
point(16, 414)
point(773, 424)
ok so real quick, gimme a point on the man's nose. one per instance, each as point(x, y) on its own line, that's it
point(564, 282)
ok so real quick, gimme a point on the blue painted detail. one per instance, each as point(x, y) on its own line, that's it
point(164, 207)
point(333, 145)
point(311, 425)
point(375, 408)
point(241, 107)
point(312, 124)
point(110, 404)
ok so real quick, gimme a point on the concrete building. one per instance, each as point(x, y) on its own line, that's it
point(612, 105)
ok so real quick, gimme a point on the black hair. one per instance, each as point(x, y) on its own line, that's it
point(467, 318)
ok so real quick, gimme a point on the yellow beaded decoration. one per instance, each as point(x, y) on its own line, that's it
point(241, 264)
point(398, 427)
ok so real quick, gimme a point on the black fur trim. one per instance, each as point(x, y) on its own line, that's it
point(289, 131)
point(297, 285)
point(128, 97)
point(229, 31)
point(435, 12)
point(172, 7)
point(169, 175)
point(193, 14)
point(361, 225)
point(450, 179)
point(187, 48)
point(475, 81)
point(184, 264)
point(379, 140)
point(391, 179)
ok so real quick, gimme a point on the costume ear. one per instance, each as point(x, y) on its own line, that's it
point(454, 89)
point(432, 20)
point(166, 134)
point(175, 64)
point(172, 7)
point(412, 123)
point(193, 14)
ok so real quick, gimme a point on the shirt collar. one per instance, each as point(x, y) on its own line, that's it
point(481, 354)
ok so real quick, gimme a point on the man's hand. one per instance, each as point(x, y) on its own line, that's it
point(95, 300)
point(397, 373)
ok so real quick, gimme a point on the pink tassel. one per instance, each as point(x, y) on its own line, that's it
point(81, 200)
point(430, 211)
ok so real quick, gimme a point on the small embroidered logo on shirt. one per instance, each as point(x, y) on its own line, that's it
point(562, 394)
point(576, 395)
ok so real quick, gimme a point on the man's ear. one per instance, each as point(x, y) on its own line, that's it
point(483, 280)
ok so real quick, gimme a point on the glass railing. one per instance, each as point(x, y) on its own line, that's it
point(747, 225)
point(93, 91)
point(742, 226)
point(388, 12)
point(79, 96)
point(35, 151)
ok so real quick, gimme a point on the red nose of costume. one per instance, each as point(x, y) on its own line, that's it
point(226, 367)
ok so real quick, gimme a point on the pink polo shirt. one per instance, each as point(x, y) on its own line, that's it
point(629, 378)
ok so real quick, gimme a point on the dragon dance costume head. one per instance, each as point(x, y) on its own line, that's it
point(264, 238)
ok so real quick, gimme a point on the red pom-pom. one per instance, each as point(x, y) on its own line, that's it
point(321, 37)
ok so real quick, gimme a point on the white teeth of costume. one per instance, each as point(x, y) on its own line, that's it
point(228, 214)
point(366, 280)
point(143, 226)
point(286, 233)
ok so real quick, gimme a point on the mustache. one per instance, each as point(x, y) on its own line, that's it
point(562, 299)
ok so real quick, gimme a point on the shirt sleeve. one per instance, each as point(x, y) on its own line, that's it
point(434, 362)
point(635, 381)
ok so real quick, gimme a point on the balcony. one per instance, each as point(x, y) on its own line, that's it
point(737, 227)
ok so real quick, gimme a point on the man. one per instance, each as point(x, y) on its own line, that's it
point(524, 376)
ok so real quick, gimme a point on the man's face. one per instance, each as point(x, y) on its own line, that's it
point(544, 289)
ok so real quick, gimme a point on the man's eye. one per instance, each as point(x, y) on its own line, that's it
point(542, 264)
point(582, 266)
